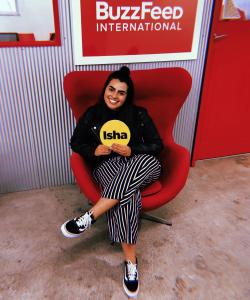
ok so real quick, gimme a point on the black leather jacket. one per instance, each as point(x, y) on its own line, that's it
point(144, 135)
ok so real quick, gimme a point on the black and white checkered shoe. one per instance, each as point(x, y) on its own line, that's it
point(75, 227)
point(130, 279)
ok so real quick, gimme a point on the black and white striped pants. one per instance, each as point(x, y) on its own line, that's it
point(122, 178)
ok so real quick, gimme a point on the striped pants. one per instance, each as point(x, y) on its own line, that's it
point(122, 178)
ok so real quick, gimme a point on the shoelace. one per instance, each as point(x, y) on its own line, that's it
point(84, 221)
point(132, 270)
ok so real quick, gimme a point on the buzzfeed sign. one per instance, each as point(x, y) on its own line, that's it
point(135, 28)
point(147, 11)
point(104, 11)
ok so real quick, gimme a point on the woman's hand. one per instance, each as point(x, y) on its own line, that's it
point(123, 150)
point(102, 150)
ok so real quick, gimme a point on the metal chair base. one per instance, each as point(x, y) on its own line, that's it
point(149, 217)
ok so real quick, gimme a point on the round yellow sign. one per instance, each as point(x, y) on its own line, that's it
point(114, 132)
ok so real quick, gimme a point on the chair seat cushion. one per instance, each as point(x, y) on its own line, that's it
point(152, 189)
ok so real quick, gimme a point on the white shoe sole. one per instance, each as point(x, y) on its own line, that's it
point(129, 293)
point(68, 234)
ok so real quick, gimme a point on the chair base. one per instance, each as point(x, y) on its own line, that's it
point(155, 219)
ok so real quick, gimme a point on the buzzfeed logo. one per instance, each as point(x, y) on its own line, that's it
point(104, 12)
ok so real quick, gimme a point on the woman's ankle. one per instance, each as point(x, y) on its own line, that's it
point(102, 206)
point(132, 260)
point(91, 213)
point(129, 252)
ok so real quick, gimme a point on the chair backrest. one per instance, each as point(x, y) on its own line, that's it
point(161, 91)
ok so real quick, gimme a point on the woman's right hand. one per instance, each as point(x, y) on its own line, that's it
point(102, 150)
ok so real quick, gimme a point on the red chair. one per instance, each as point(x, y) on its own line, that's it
point(162, 92)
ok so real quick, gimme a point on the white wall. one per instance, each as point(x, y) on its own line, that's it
point(35, 16)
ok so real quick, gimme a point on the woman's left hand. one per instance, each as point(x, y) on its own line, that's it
point(123, 150)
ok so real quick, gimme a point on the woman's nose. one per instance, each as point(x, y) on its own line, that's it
point(114, 94)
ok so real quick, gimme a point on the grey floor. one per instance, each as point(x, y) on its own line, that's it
point(204, 255)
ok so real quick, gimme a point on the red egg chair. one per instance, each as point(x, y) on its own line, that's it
point(162, 92)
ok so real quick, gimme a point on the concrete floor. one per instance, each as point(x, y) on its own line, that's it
point(204, 255)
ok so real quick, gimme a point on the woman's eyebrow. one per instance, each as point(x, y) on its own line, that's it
point(118, 90)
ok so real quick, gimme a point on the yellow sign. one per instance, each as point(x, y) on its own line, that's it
point(114, 132)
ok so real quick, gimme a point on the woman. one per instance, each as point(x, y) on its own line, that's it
point(121, 170)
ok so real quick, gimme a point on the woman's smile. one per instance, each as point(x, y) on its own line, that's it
point(112, 101)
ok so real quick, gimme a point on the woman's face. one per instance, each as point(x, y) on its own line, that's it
point(115, 94)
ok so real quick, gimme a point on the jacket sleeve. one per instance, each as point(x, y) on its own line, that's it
point(151, 142)
point(81, 141)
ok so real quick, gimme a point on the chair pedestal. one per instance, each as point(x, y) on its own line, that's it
point(149, 217)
